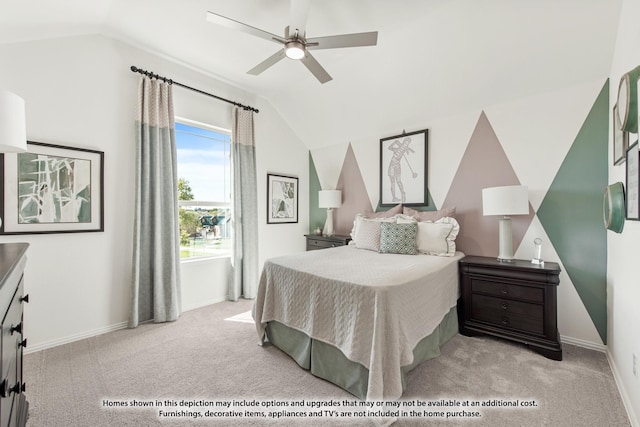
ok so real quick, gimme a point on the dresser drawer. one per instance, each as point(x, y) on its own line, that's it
point(503, 290)
point(508, 314)
point(11, 358)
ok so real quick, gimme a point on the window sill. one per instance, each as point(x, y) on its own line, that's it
point(204, 258)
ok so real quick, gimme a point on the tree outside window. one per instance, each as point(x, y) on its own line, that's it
point(204, 189)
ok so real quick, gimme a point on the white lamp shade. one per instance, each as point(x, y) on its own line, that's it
point(507, 200)
point(329, 198)
point(13, 129)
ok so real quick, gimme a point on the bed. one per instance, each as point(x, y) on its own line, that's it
point(359, 318)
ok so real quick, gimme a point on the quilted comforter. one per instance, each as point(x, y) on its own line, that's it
point(374, 307)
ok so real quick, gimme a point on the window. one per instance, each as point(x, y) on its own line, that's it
point(204, 189)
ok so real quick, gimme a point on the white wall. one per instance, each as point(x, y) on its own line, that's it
point(623, 287)
point(204, 281)
point(80, 92)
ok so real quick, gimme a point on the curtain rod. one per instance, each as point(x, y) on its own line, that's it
point(167, 80)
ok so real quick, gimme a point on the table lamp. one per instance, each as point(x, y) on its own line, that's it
point(507, 200)
point(329, 199)
point(13, 129)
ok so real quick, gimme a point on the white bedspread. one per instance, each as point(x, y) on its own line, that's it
point(374, 307)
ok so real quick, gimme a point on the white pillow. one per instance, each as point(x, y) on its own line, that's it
point(438, 238)
point(366, 232)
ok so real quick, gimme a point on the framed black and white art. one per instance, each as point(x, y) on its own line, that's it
point(52, 189)
point(282, 199)
point(403, 169)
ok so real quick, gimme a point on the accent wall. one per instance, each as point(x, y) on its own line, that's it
point(554, 143)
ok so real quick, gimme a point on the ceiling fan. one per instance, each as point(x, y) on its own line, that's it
point(295, 43)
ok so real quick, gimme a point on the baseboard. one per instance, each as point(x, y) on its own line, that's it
point(72, 338)
point(88, 334)
point(582, 343)
point(625, 397)
point(204, 304)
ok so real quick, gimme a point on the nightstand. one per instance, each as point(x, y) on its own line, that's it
point(512, 300)
point(322, 242)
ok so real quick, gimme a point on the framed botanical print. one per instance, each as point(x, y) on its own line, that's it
point(282, 199)
point(403, 169)
point(52, 189)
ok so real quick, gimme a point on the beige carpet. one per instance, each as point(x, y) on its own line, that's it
point(201, 357)
point(245, 317)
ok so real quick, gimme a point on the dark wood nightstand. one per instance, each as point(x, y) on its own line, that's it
point(324, 242)
point(513, 300)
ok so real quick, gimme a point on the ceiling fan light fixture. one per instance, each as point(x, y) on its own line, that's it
point(294, 50)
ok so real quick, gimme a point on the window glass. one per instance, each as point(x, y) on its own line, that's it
point(204, 189)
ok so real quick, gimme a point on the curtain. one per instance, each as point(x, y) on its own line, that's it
point(243, 280)
point(156, 245)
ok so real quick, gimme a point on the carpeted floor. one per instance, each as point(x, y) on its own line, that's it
point(203, 358)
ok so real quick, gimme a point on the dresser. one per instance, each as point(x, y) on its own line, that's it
point(315, 241)
point(13, 404)
point(511, 300)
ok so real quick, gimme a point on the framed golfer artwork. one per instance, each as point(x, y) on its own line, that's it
point(403, 169)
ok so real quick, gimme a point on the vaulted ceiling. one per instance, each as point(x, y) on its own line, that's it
point(434, 58)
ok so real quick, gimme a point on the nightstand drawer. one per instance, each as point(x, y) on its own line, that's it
point(324, 242)
point(321, 244)
point(503, 290)
point(508, 314)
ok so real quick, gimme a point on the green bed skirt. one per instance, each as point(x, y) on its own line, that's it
point(327, 362)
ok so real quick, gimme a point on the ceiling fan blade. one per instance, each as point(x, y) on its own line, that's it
point(237, 25)
point(343, 40)
point(298, 17)
point(276, 57)
point(316, 69)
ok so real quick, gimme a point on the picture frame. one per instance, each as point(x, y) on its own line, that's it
point(282, 199)
point(403, 169)
point(620, 139)
point(633, 181)
point(52, 189)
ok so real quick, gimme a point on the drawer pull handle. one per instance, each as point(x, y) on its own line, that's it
point(17, 328)
point(25, 298)
point(504, 306)
point(4, 388)
point(16, 388)
point(505, 321)
point(504, 291)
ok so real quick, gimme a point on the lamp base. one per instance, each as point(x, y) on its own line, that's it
point(506, 240)
point(328, 225)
